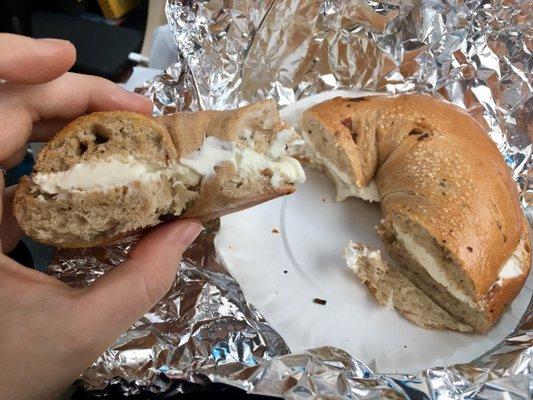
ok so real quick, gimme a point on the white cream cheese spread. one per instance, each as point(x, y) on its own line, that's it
point(284, 143)
point(511, 269)
point(248, 162)
point(353, 253)
point(513, 266)
point(345, 188)
point(432, 266)
point(102, 175)
point(212, 153)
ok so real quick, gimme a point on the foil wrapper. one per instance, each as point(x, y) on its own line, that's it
point(203, 323)
point(474, 53)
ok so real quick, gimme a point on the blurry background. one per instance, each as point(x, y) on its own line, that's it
point(105, 32)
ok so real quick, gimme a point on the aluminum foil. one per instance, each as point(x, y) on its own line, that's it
point(203, 323)
point(476, 54)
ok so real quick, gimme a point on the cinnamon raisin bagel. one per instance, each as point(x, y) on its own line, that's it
point(451, 217)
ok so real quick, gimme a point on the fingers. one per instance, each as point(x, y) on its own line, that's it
point(115, 301)
point(2, 191)
point(72, 95)
point(10, 232)
point(26, 60)
point(64, 98)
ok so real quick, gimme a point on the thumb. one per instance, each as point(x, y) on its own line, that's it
point(116, 300)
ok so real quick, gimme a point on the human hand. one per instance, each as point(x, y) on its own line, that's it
point(50, 332)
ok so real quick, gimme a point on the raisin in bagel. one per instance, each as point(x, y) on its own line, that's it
point(451, 217)
point(109, 174)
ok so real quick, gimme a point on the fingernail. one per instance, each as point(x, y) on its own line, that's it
point(189, 231)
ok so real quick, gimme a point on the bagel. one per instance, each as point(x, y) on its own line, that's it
point(391, 288)
point(451, 217)
point(109, 174)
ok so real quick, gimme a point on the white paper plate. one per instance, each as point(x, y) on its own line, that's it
point(287, 252)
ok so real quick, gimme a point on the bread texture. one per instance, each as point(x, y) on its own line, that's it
point(391, 288)
point(445, 191)
point(109, 174)
point(227, 191)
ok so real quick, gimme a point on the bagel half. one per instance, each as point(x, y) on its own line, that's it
point(109, 174)
point(451, 217)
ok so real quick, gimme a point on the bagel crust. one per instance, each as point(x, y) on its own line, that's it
point(438, 175)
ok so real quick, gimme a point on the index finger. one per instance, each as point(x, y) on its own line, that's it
point(26, 60)
point(64, 98)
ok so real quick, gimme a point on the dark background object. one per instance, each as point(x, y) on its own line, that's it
point(179, 390)
point(102, 49)
point(102, 45)
point(15, 16)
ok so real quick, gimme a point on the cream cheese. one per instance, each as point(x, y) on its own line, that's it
point(368, 193)
point(513, 266)
point(284, 143)
point(345, 188)
point(248, 162)
point(286, 169)
point(212, 153)
point(352, 254)
point(511, 269)
point(103, 175)
point(432, 266)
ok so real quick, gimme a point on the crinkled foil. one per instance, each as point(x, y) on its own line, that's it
point(173, 90)
point(203, 323)
point(476, 54)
